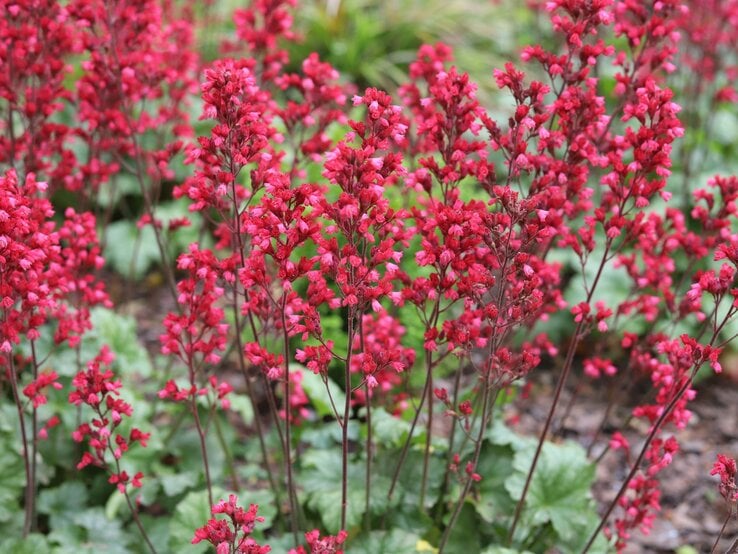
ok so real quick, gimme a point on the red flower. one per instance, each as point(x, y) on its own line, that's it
point(231, 535)
point(725, 467)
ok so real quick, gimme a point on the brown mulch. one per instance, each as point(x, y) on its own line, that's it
point(692, 509)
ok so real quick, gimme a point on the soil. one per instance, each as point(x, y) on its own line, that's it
point(692, 509)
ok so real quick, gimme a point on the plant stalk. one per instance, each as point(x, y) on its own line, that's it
point(487, 403)
point(28, 506)
point(346, 415)
point(722, 530)
point(557, 394)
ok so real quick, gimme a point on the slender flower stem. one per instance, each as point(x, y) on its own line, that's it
point(292, 495)
point(10, 124)
point(149, 204)
point(346, 414)
point(29, 490)
point(242, 363)
point(559, 428)
point(230, 462)
point(549, 419)
point(406, 446)
point(332, 402)
point(573, 343)
point(132, 507)
point(722, 530)
point(717, 328)
point(137, 520)
point(428, 430)
point(34, 439)
point(368, 476)
point(487, 402)
point(427, 392)
point(203, 446)
point(654, 429)
point(369, 445)
point(450, 451)
point(252, 398)
point(603, 421)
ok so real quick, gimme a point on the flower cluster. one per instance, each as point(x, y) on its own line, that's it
point(220, 391)
point(97, 388)
point(725, 467)
point(197, 332)
point(37, 37)
point(47, 273)
point(139, 72)
point(260, 28)
point(35, 392)
point(232, 535)
point(29, 243)
point(382, 357)
point(328, 544)
point(340, 232)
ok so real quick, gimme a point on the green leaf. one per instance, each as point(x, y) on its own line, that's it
point(503, 550)
point(119, 333)
point(321, 481)
point(180, 240)
point(501, 434)
point(108, 328)
point(466, 535)
point(241, 404)
point(725, 127)
point(333, 327)
point(495, 466)
point(110, 192)
point(322, 435)
point(559, 492)
point(395, 540)
point(129, 248)
point(157, 528)
point(32, 544)
point(62, 503)
point(91, 533)
point(388, 430)
point(315, 388)
point(408, 488)
point(191, 513)
point(12, 474)
point(264, 498)
point(115, 502)
point(177, 483)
